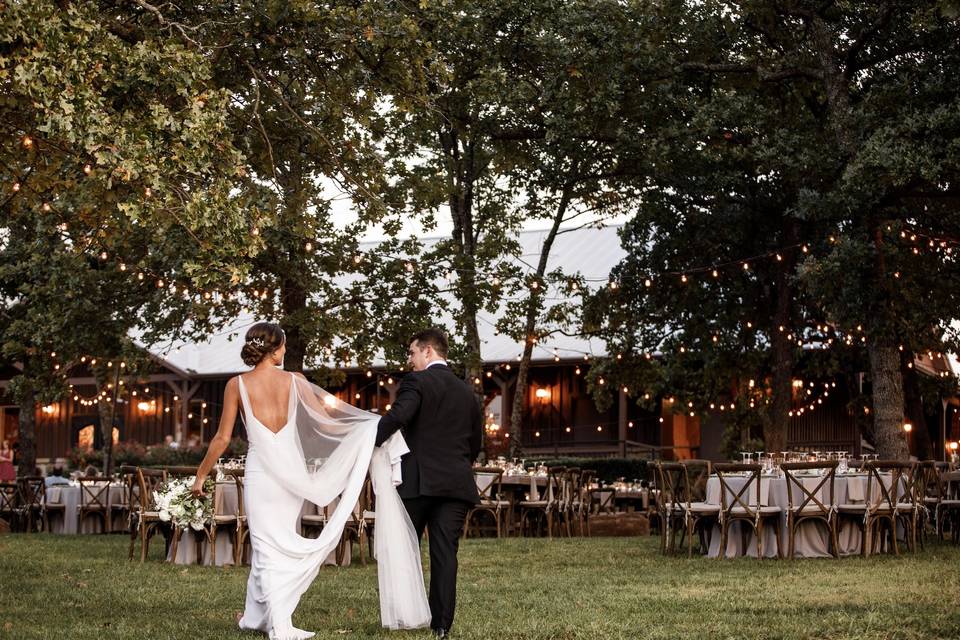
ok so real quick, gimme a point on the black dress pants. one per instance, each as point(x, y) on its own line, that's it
point(444, 518)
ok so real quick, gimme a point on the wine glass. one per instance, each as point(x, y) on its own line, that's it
point(747, 456)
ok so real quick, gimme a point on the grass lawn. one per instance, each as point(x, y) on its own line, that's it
point(82, 587)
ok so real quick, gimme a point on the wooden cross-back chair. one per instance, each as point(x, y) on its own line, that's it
point(670, 478)
point(698, 515)
point(879, 509)
point(146, 522)
point(744, 504)
point(489, 482)
point(806, 504)
point(242, 536)
point(94, 500)
point(32, 503)
point(9, 508)
point(543, 507)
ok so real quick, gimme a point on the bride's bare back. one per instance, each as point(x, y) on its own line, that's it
point(269, 392)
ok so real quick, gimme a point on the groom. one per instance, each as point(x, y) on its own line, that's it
point(441, 421)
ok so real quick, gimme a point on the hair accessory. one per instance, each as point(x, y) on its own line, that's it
point(257, 342)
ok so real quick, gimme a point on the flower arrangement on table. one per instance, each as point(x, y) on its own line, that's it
point(177, 504)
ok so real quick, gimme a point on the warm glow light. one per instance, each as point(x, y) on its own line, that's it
point(907, 427)
point(330, 401)
point(543, 394)
point(953, 446)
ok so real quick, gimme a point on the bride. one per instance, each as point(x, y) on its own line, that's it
point(305, 444)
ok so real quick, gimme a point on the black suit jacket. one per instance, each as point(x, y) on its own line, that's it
point(442, 423)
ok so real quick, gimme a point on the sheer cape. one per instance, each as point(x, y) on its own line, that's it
point(325, 457)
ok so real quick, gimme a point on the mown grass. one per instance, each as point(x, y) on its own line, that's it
point(82, 587)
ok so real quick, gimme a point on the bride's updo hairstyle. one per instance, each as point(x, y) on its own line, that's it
point(262, 339)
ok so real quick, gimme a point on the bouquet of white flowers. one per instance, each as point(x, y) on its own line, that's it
point(176, 503)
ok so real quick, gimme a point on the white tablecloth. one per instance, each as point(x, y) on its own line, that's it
point(812, 540)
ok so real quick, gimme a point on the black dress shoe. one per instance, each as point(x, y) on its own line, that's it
point(440, 632)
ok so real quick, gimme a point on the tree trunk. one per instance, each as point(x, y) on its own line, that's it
point(518, 410)
point(776, 426)
point(919, 437)
point(293, 302)
point(461, 175)
point(533, 308)
point(887, 401)
point(108, 417)
point(27, 462)
point(884, 355)
point(105, 409)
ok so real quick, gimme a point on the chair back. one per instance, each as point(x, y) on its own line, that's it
point(131, 486)
point(94, 492)
point(602, 500)
point(808, 497)
point(571, 487)
point(237, 475)
point(696, 475)
point(9, 494)
point(147, 482)
point(950, 482)
point(881, 495)
point(748, 498)
point(489, 480)
point(180, 471)
point(33, 493)
point(927, 482)
point(552, 492)
point(671, 476)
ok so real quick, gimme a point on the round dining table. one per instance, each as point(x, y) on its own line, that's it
point(63, 509)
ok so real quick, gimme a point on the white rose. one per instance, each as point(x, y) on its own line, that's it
point(165, 515)
point(196, 526)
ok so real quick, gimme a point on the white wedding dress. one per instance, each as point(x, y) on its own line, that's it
point(282, 471)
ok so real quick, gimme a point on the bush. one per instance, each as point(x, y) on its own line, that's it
point(80, 458)
point(131, 453)
point(137, 455)
point(608, 469)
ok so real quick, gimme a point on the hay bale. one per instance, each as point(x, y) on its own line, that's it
point(620, 524)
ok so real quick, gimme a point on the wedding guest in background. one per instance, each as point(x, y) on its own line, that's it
point(56, 477)
point(7, 471)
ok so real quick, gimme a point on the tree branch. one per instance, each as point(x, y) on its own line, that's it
point(882, 20)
